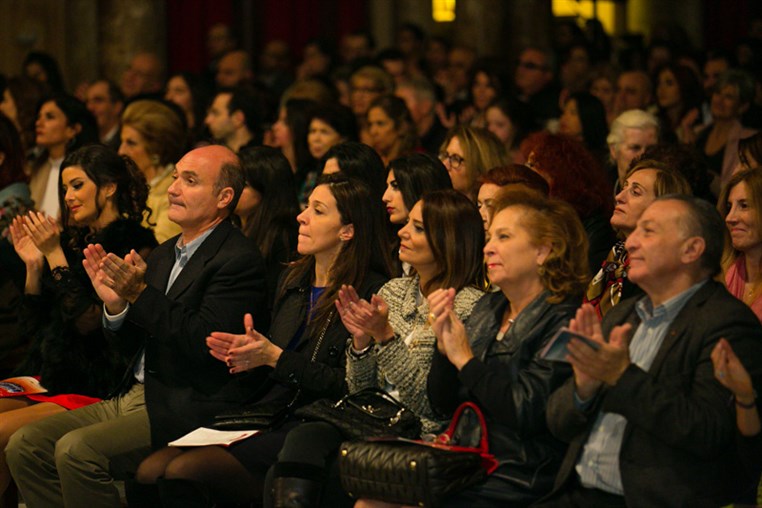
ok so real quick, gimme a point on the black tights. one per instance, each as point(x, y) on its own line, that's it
point(224, 478)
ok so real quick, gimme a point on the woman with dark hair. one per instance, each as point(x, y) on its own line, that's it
point(679, 96)
point(192, 95)
point(267, 208)
point(356, 160)
point(537, 257)
point(330, 125)
point(43, 68)
point(290, 135)
point(154, 137)
point(63, 125)
point(467, 153)
point(577, 177)
point(391, 128)
point(392, 341)
point(486, 86)
point(299, 361)
point(584, 119)
point(102, 198)
point(407, 179)
point(511, 121)
point(496, 179)
point(20, 100)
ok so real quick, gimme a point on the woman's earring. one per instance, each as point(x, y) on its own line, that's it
point(155, 160)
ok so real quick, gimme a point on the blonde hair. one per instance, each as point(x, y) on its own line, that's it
point(554, 223)
point(161, 127)
point(482, 151)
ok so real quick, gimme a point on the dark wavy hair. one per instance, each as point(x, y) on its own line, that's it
point(76, 113)
point(575, 175)
point(455, 233)
point(104, 166)
point(363, 253)
point(418, 173)
point(268, 172)
point(358, 160)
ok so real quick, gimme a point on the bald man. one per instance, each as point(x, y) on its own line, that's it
point(161, 310)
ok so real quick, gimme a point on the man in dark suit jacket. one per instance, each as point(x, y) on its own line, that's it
point(647, 423)
point(163, 309)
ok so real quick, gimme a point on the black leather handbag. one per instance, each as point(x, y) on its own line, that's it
point(419, 473)
point(371, 412)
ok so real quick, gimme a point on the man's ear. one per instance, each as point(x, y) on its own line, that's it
point(347, 232)
point(692, 250)
point(225, 197)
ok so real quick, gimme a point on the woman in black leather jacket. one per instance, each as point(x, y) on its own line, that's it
point(537, 257)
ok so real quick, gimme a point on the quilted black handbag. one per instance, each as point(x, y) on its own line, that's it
point(371, 412)
point(419, 473)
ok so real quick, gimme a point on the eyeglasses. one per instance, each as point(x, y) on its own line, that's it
point(453, 159)
point(531, 66)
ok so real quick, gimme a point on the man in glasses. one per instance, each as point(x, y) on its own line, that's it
point(535, 83)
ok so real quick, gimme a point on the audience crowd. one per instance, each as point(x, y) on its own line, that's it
point(417, 219)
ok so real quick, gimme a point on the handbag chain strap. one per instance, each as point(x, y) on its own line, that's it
point(321, 337)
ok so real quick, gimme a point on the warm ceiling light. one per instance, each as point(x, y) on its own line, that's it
point(443, 10)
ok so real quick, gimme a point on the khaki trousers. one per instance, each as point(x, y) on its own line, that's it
point(71, 459)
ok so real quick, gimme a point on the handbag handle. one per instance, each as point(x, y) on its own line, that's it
point(446, 436)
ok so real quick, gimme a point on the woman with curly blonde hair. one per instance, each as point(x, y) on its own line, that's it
point(537, 257)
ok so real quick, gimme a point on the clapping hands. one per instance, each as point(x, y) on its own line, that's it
point(452, 339)
point(366, 321)
point(242, 352)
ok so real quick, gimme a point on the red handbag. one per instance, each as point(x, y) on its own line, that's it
point(416, 472)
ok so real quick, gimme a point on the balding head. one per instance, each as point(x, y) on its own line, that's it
point(208, 184)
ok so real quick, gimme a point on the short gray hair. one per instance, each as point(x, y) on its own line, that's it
point(631, 119)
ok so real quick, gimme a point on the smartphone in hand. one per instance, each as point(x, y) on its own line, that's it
point(556, 350)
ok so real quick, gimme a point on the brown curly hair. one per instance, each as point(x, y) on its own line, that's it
point(548, 221)
point(574, 174)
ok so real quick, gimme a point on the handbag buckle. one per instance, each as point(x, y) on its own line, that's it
point(368, 408)
point(396, 418)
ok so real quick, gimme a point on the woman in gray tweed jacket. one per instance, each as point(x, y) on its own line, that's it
point(392, 341)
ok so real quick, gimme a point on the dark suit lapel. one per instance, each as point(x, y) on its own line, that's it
point(196, 263)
